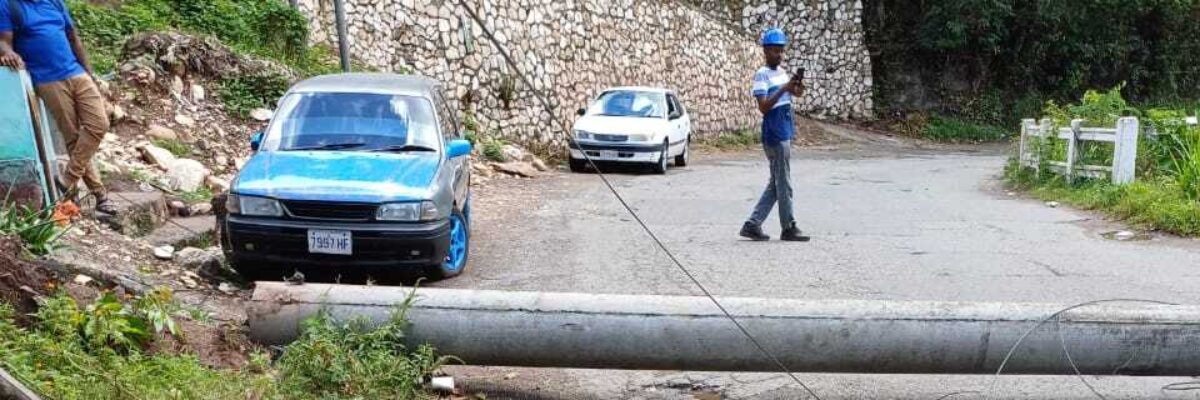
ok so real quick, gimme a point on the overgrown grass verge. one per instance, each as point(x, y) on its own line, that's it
point(731, 141)
point(37, 229)
point(98, 351)
point(953, 130)
point(1166, 193)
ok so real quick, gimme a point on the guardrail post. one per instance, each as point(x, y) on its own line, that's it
point(1124, 166)
point(1072, 149)
point(1028, 127)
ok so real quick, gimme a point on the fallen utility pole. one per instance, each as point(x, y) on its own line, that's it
point(570, 330)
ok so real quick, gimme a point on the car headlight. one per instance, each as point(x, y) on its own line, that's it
point(408, 212)
point(253, 206)
point(585, 135)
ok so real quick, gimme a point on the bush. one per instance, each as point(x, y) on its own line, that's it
point(267, 28)
point(36, 228)
point(949, 129)
point(177, 147)
point(242, 94)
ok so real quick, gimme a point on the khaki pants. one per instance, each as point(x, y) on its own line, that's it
point(79, 111)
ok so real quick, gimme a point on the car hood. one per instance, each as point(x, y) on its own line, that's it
point(339, 176)
point(621, 125)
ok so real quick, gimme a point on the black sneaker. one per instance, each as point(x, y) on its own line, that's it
point(105, 205)
point(793, 234)
point(753, 232)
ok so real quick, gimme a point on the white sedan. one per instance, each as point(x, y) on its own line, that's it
point(632, 125)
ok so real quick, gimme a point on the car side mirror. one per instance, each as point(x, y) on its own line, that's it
point(458, 148)
point(581, 111)
point(256, 141)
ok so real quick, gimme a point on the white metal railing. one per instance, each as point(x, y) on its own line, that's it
point(1124, 136)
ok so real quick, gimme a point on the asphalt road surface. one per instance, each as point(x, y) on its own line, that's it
point(888, 223)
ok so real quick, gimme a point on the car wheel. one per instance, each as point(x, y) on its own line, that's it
point(682, 159)
point(460, 248)
point(578, 165)
point(661, 166)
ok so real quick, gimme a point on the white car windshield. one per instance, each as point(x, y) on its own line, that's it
point(629, 103)
point(353, 122)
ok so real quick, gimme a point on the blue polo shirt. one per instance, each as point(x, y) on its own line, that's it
point(42, 39)
point(778, 125)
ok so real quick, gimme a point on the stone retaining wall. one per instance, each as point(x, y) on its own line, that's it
point(572, 49)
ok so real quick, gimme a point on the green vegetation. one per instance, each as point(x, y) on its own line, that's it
point(177, 147)
point(949, 129)
point(493, 149)
point(1166, 195)
point(240, 95)
point(202, 194)
point(739, 140)
point(36, 228)
point(98, 351)
point(268, 28)
point(993, 62)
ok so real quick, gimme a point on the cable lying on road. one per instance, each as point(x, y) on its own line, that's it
point(567, 132)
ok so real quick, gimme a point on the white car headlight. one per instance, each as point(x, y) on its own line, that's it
point(584, 135)
point(253, 206)
point(408, 212)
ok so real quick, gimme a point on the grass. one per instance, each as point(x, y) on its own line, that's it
point(493, 149)
point(202, 194)
point(73, 351)
point(177, 147)
point(947, 129)
point(1157, 204)
point(37, 229)
point(739, 140)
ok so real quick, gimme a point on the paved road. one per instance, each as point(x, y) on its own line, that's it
point(894, 224)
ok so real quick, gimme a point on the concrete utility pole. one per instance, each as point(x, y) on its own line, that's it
point(569, 330)
point(339, 11)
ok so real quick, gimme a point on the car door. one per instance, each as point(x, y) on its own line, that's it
point(458, 167)
point(676, 118)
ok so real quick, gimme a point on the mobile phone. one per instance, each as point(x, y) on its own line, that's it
point(799, 76)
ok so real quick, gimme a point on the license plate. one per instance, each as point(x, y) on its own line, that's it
point(330, 242)
point(608, 154)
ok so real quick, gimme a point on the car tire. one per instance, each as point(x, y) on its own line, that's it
point(460, 248)
point(577, 165)
point(661, 166)
point(681, 160)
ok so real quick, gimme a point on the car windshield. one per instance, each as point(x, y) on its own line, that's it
point(353, 122)
point(629, 103)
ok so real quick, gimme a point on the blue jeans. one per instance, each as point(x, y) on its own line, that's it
point(779, 189)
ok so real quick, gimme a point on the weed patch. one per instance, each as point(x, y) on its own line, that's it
point(946, 129)
point(739, 140)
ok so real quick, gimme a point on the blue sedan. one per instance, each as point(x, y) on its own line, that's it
point(355, 172)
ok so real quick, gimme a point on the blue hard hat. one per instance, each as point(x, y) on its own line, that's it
point(774, 37)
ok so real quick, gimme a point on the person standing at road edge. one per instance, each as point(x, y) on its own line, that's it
point(40, 36)
point(773, 90)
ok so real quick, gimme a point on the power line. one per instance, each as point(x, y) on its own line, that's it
point(550, 109)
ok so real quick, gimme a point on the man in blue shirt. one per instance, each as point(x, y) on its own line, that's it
point(774, 89)
point(40, 36)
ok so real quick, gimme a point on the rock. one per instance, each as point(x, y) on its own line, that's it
point(1124, 235)
point(178, 207)
point(164, 252)
point(198, 93)
point(513, 153)
point(82, 280)
point(177, 86)
point(157, 155)
point(184, 120)
point(517, 168)
point(221, 161)
point(261, 114)
point(118, 113)
point(540, 165)
point(226, 288)
point(1052, 204)
point(217, 185)
point(186, 174)
point(161, 132)
point(200, 262)
point(200, 209)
